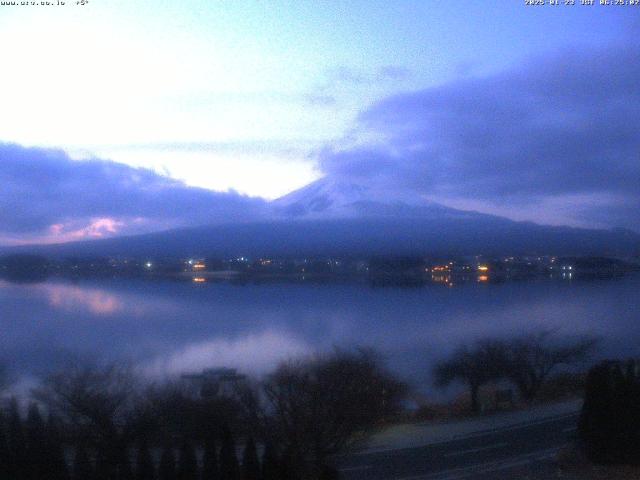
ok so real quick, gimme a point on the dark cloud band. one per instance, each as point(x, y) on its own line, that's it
point(44, 192)
point(556, 127)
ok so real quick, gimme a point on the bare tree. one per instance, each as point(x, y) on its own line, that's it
point(527, 361)
point(322, 405)
point(99, 402)
point(174, 410)
point(98, 396)
point(532, 358)
point(474, 366)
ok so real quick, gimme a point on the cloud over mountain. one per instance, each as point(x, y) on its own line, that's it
point(560, 133)
point(553, 140)
point(47, 196)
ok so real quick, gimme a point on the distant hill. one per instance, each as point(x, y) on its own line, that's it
point(372, 236)
point(329, 218)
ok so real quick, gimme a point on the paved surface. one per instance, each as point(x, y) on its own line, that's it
point(506, 452)
point(420, 434)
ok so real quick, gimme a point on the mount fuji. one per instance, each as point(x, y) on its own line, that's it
point(330, 217)
point(333, 199)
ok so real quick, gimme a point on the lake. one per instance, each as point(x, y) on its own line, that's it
point(169, 327)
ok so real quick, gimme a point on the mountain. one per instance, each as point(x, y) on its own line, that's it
point(334, 218)
point(332, 199)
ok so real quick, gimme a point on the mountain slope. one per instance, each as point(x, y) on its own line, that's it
point(333, 218)
point(360, 237)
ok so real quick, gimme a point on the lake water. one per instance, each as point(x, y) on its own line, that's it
point(173, 327)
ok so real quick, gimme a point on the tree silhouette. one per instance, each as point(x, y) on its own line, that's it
point(270, 463)
point(97, 399)
point(167, 467)
point(58, 468)
point(250, 462)
point(36, 441)
point(145, 469)
point(5, 468)
point(475, 366)
point(210, 470)
point(289, 467)
point(100, 402)
point(106, 463)
point(323, 405)
point(609, 425)
point(82, 466)
point(124, 470)
point(329, 473)
point(17, 445)
point(229, 469)
point(188, 464)
point(532, 358)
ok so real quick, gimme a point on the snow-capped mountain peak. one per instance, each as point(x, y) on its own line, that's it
point(330, 198)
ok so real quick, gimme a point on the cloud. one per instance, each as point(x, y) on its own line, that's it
point(551, 130)
point(343, 75)
point(292, 148)
point(46, 196)
point(255, 353)
point(393, 73)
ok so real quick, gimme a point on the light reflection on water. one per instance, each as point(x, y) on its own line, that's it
point(169, 327)
point(68, 297)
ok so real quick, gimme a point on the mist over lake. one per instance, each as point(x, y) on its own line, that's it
point(168, 328)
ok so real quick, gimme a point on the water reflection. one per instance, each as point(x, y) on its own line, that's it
point(98, 302)
point(170, 327)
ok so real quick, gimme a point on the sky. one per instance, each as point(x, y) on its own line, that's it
point(121, 117)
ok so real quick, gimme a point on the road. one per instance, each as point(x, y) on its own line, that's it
point(484, 455)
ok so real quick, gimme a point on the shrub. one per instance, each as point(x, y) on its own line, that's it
point(610, 421)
